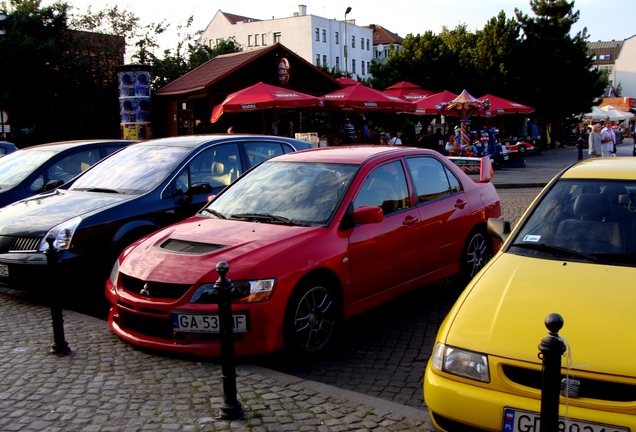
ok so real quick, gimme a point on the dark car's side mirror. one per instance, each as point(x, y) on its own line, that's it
point(52, 184)
point(498, 228)
point(195, 189)
point(198, 189)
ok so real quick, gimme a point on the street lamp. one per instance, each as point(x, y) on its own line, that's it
point(345, 41)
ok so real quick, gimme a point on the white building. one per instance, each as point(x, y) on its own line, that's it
point(618, 58)
point(625, 67)
point(333, 43)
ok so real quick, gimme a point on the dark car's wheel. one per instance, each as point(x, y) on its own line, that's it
point(312, 318)
point(477, 252)
point(522, 148)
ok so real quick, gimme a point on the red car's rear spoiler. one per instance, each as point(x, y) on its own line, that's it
point(481, 166)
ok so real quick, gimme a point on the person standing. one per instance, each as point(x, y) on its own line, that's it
point(348, 132)
point(395, 140)
point(594, 141)
point(609, 127)
point(365, 132)
point(607, 141)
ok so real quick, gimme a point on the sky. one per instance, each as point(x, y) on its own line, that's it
point(605, 19)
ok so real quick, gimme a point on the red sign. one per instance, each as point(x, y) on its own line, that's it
point(283, 71)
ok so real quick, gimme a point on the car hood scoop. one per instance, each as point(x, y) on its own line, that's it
point(188, 247)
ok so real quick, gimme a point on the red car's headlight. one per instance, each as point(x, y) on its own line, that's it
point(245, 292)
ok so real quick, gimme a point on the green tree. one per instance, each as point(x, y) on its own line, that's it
point(493, 56)
point(461, 43)
point(425, 60)
point(556, 77)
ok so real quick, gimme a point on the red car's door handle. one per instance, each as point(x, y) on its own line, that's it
point(461, 203)
point(410, 221)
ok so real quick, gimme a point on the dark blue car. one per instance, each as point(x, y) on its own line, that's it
point(144, 187)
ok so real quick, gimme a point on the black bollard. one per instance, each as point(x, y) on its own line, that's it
point(552, 348)
point(231, 408)
point(59, 345)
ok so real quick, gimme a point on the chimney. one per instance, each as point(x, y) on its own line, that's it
point(302, 10)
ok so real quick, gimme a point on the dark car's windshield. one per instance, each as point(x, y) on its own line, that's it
point(16, 166)
point(583, 220)
point(135, 169)
point(285, 192)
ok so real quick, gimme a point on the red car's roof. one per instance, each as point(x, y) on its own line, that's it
point(349, 154)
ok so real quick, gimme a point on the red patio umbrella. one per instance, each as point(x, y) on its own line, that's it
point(428, 105)
point(346, 81)
point(360, 98)
point(409, 91)
point(263, 96)
point(500, 106)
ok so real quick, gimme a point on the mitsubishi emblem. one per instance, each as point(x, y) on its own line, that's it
point(144, 291)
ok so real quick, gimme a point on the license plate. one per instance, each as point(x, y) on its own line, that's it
point(4, 270)
point(206, 323)
point(526, 421)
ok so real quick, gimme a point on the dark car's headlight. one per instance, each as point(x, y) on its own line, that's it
point(463, 363)
point(252, 291)
point(63, 235)
point(114, 273)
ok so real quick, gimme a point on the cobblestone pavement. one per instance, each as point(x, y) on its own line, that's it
point(107, 385)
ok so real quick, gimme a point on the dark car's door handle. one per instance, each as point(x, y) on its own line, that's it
point(410, 221)
point(460, 203)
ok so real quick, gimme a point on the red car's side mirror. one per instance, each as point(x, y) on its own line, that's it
point(367, 215)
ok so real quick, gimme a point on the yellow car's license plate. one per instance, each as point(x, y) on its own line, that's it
point(526, 421)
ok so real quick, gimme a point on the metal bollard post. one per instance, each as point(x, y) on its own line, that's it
point(231, 408)
point(552, 348)
point(59, 345)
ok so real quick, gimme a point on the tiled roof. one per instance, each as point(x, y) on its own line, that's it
point(384, 36)
point(237, 18)
point(205, 75)
point(604, 45)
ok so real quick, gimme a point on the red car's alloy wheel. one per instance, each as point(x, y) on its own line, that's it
point(312, 319)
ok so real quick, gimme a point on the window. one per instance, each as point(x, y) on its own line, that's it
point(324, 35)
point(353, 41)
point(317, 33)
point(362, 68)
point(368, 49)
point(353, 65)
point(256, 38)
point(431, 179)
point(66, 168)
point(336, 38)
point(337, 63)
point(263, 40)
point(249, 40)
point(276, 37)
point(386, 188)
point(218, 166)
point(318, 60)
point(324, 60)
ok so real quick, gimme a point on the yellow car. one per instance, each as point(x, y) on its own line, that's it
point(572, 253)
